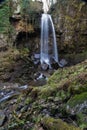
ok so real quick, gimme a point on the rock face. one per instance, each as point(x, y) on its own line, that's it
point(22, 17)
point(70, 20)
point(26, 15)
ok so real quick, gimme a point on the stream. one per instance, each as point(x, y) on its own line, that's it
point(10, 90)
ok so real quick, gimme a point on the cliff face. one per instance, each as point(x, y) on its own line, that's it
point(25, 14)
point(19, 17)
point(70, 20)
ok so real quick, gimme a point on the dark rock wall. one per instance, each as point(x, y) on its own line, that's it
point(18, 17)
point(70, 19)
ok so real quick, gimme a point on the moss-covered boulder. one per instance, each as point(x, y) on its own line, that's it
point(70, 80)
point(49, 123)
point(77, 105)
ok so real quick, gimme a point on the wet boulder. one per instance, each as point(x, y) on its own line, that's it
point(44, 66)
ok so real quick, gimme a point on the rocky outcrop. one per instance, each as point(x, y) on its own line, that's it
point(22, 17)
point(26, 23)
point(25, 15)
point(71, 25)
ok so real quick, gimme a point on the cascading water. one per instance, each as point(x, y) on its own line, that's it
point(44, 40)
point(45, 56)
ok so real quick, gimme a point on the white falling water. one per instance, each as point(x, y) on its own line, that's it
point(45, 57)
point(55, 51)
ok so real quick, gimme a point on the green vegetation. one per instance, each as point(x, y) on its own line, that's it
point(56, 124)
point(60, 96)
point(4, 17)
point(77, 99)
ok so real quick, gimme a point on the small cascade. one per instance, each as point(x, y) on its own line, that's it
point(45, 56)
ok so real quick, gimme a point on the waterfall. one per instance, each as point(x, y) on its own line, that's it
point(44, 39)
point(46, 26)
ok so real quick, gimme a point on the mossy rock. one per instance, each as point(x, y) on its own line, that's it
point(82, 120)
point(79, 85)
point(77, 99)
point(77, 105)
point(70, 15)
point(68, 81)
point(49, 123)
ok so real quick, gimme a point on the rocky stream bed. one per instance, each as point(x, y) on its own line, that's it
point(28, 104)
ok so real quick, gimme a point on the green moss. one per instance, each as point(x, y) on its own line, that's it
point(35, 92)
point(65, 74)
point(47, 91)
point(77, 99)
point(28, 100)
point(62, 83)
point(4, 18)
point(56, 124)
point(81, 120)
point(76, 57)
